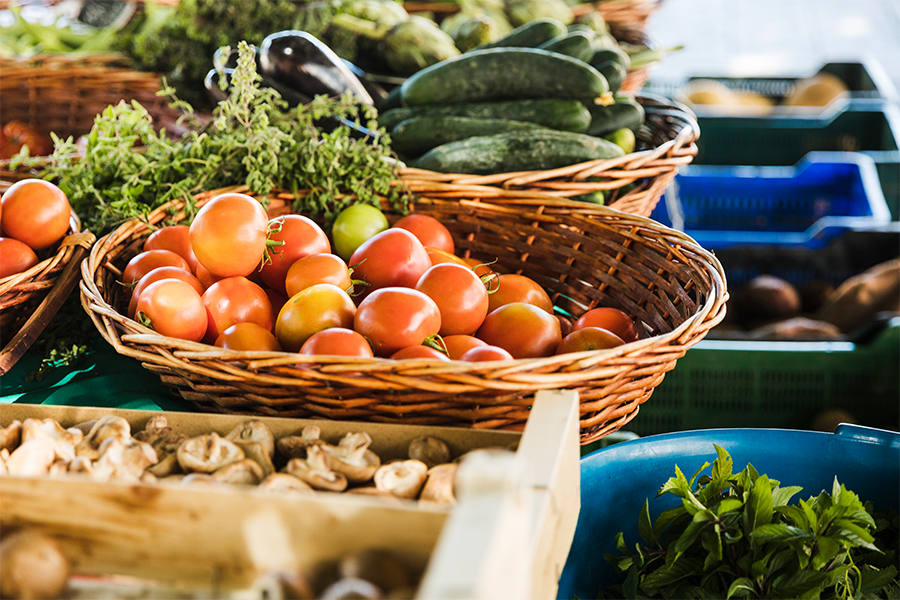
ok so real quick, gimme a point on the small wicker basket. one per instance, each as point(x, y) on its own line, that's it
point(666, 140)
point(583, 255)
point(28, 300)
point(64, 93)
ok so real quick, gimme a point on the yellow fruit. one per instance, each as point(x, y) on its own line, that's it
point(819, 90)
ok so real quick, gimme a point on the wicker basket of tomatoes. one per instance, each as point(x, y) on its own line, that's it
point(42, 246)
point(390, 341)
point(63, 94)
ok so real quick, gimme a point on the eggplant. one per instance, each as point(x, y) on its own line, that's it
point(305, 64)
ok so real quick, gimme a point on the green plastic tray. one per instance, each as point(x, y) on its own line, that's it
point(777, 384)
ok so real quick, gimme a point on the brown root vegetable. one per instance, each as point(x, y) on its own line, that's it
point(32, 566)
point(856, 301)
point(798, 328)
point(429, 450)
point(768, 298)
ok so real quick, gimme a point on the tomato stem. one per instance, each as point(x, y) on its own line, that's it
point(142, 318)
point(436, 342)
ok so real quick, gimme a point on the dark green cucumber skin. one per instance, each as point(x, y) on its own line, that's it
point(503, 74)
point(416, 136)
point(606, 54)
point(391, 101)
point(533, 150)
point(576, 44)
point(614, 73)
point(529, 35)
point(565, 115)
point(606, 119)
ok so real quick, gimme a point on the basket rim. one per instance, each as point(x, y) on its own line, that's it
point(98, 308)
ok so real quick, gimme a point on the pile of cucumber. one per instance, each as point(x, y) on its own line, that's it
point(542, 97)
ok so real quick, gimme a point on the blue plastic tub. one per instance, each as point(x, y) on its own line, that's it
point(821, 196)
point(616, 480)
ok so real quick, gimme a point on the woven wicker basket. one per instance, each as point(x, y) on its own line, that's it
point(28, 300)
point(583, 255)
point(624, 13)
point(665, 141)
point(64, 93)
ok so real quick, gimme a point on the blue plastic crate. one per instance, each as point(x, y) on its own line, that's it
point(823, 195)
point(616, 480)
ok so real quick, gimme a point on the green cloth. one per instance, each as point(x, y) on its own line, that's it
point(101, 378)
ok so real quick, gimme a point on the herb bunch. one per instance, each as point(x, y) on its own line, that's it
point(734, 535)
point(128, 168)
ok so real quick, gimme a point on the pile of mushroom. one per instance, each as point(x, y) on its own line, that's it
point(106, 450)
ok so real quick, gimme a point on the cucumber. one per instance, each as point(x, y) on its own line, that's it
point(529, 35)
point(416, 136)
point(392, 100)
point(607, 54)
point(555, 113)
point(614, 73)
point(607, 119)
point(576, 44)
point(581, 27)
point(530, 150)
point(503, 74)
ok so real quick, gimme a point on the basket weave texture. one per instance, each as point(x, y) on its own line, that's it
point(64, 93)
point(666, 140)
point(583, 255)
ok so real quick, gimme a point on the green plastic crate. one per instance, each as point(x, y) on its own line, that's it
point(868, 126)
point(777, 384)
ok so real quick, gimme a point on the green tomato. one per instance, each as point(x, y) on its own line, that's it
point(354, 225)
point(623, 138)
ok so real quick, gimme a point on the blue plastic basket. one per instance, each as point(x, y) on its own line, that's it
point(616, 480)
point(823, 195)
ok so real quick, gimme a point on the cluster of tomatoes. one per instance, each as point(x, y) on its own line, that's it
point(242, 281)
point(34, 216)
point(15, 134)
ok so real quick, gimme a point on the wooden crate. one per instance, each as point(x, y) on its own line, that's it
point(508, 537)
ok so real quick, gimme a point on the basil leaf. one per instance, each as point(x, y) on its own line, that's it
point(741, 588)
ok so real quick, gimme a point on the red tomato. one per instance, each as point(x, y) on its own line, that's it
point(565, 325)
point(318, 268)
point(17, 134)
point(143, 263)
point(235, 300)
point(15, 257)
point(611, 319)
point(522, 329)
point(205, 277)
point(35, 212)
point(311, 310)
point(174, 309)
point(393, 318)
point(459, 295)
point(277, 299)
point(419, 352)
point(438, 256)
point(228, 235)
point(392, 258)
point(337, 341)
point(429, 231)
point(159, 274)
point(301, 237)
point(588, 338)
point(176, 238)
point(486, 354)
point(457, 345)
point(518, 288)
point(249, 337)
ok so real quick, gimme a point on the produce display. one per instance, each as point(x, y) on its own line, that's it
point(274, 284)
point(810, 93)
point(106, 449)
point(736, 535)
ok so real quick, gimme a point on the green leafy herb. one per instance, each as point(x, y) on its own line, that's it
point(128, 168)
point(736, 536)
